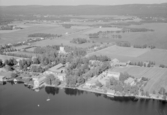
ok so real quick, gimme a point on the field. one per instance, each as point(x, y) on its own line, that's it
point(157, 76)
point(134, 54)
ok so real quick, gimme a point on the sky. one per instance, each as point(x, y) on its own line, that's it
point(77, 2)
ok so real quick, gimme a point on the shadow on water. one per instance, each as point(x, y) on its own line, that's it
point(73, 92)
point(162, 107)
point(52, 90)
point(98, 94)
point(121, 99)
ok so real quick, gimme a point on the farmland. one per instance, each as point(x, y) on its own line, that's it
point(157, 76)
point(134, 54)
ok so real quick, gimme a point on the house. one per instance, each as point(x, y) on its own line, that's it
point(115, 75)
point(18, 60)
point(38, 81)
point(116, 62)
point(130, 81)
point(60, 76)
point(90, 83)
point(60, 68)
point(57, 71)
point(2, 78)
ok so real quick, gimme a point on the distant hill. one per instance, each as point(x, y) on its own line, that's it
point(132, 9)
point(152, 10)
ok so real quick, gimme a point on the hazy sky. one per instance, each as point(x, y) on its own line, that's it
point(77, 2)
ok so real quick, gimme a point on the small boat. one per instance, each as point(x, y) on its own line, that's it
point(48, 99)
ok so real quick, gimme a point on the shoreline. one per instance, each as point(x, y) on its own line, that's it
point(108, 94)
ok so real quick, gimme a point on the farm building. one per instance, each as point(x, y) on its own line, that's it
point(115, 75)
point(130, 81)
point(116, 62)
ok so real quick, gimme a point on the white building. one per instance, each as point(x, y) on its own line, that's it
point(130, 81)
point(38, 81)
point(62, 50)
point(115, 75)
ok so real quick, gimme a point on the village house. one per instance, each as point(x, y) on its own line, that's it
point(38, 81)
point(130, 81)
point(115, 62)
point(2, 78)
point(115, 75)
point(58, 71)
point(90, 83)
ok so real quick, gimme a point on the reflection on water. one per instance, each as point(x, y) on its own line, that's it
point(65, 101)
point(52, 90)
point(73, 92)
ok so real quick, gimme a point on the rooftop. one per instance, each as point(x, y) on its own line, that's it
point(54, 68)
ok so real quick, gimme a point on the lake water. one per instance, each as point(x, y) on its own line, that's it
point(20, 100)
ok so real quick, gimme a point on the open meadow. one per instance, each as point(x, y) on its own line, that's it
point(157, 76)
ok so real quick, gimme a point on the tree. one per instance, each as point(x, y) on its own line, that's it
point(98, 84)
point(162, 91)
point(14, 75)
point(1, 63)
point(9, 68)
point(147, 94)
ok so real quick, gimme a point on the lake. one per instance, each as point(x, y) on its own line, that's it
point(18, 99)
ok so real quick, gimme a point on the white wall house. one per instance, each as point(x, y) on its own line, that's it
point(62, 50)
point(115, 75)
point(38, 81)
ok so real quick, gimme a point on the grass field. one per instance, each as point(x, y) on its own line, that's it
point(157, 76)
point(133, 54)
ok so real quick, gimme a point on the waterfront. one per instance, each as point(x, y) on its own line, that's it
point(20, 100)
